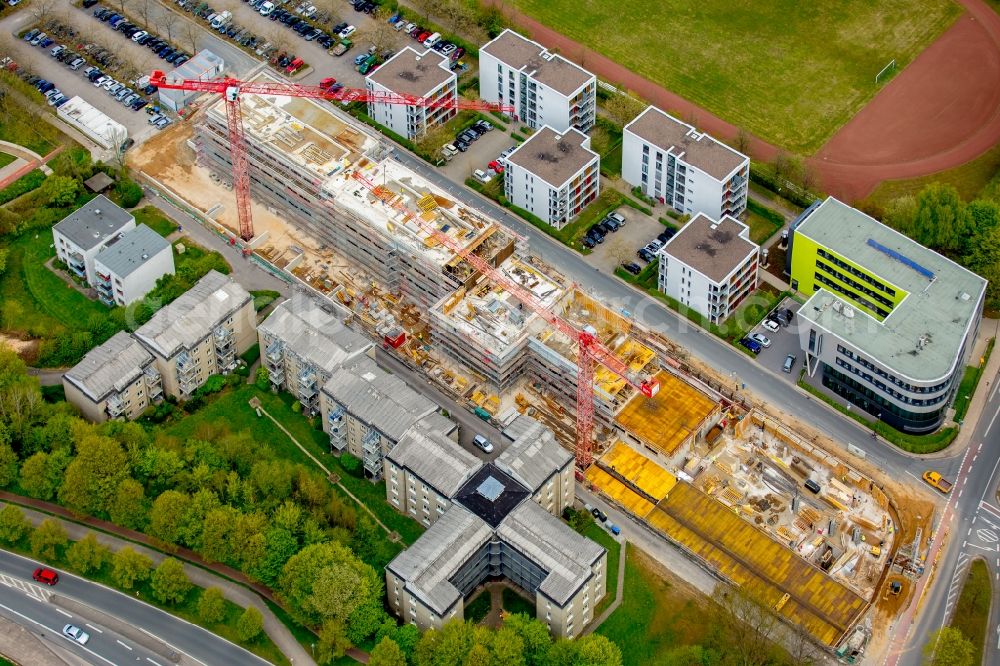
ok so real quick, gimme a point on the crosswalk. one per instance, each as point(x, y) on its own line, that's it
point(36, 592)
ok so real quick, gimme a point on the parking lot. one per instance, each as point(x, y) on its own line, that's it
point(483, 151)
point(784, 342)
point(621, 246)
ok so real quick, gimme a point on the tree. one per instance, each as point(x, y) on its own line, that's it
point(8, 463)
point(211, 606)
point(280, 545)
point(742, 141)
point(332, 643)
point(128, 505)
point(250, 624)
point(507, 647)
point(948, 646)
point(170, 583)
point(59, 191)
point(379, 33)
point(47, 539)
point(623, 108)
point(427, 7)
point(13, 524)
point(327, 581)
point(42, 9)
point(781, 165)
point(88, 554)
point(189, 33)
point(217, 530)
point(144, 9)
point(20, 395)
point(942, 221)
point(263, 379)
point(130, 568)
point(387, 653)
point(535, 638)
point(749, 622)
point(167, 516)
point(38, 479)
point(94, 475)
point(168, 21)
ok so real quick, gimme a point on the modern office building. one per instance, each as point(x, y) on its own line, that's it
point(553, 175)
point(413, 73)
point(366, 411)
point(202, 333)
point(115, 380)
point(690, 171)
point(80, 236)
point(710, 266)
point(203, 66)
point(129, 268)
point(889, 324)
point(302, 342)
point(544, 88)
point(484, 524)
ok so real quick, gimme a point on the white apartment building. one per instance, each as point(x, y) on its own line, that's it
point(710, 266)
point(115, 380)
point(677, 165)
point(553, 175)
point(80, 236)
point(413, 73)
point(202, 333)
point(544, 88)
point(128, 269)
point(302, 342)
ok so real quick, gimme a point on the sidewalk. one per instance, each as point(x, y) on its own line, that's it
point(987, 384)
point(202, 575)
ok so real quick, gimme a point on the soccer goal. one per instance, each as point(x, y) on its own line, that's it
point(886, 71)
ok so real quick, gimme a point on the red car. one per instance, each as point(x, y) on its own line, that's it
point(327, 82)
point(422, 37)
point(45, 575)
point(495, 166)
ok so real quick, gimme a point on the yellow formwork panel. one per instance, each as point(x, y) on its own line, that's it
point(824, 607)
point(666, 420)
point(635, 503)
point(645, 474)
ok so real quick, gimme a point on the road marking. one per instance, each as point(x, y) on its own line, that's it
point(988, 521)
point(94, 628)
point(62, 612)
point(123, 645)
point(988, 550)
point(985, 434)
point(987, 536)
point(989, 508)
point(970, 532)
point(914, 476)
point(36, 622)
point(152, 662)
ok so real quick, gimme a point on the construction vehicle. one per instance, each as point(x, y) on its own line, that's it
point(937, 481)
point(342, 47)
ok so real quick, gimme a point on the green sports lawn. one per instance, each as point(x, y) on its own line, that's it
point(788, 71)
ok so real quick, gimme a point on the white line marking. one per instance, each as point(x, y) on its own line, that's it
point(914, 476)
point(987, 521)
point(988, 550)
point(152, 662)
point(36, 622)
point(985, 434)
point(94, 628)
point(123, 645)
point(61, 611)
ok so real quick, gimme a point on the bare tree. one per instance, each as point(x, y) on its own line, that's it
point(118, 138)
point(620, 250)
point(750, 623)
point(144, 8)
point(802, 649)
point(331, 8)
point(428, 8)
point(123, 5)
point(807, 178)
point(168, 21)
point(42, 9)
point(190, 33)
point(743, 141)
point(379, 32)
point(782, 165)
point(623, 108)
point(278, 38)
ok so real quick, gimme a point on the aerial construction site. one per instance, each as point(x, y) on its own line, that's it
point(752, 501)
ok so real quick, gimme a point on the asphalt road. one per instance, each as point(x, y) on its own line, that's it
point(31, 605)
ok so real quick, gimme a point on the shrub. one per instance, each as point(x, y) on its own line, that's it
point(211, 606)
point(250, 624)
point(170, 583)
point(26, 183)
point(88, 554)
point(129, 192)
point(13, 524)
point(130, 568)
point(47, 539)
point(351, 464)
point(263, 379)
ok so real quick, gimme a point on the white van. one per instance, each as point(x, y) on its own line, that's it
point(221, 20)
point(485, 445)
point(266, 9)
point(432, 40)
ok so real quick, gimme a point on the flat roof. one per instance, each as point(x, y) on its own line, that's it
point(99, 182)
point(431, 455)
point(438, 554)
point(669, 417)
point(412, 72)
point(491, 494)
point(922, 337)
point(380, 399)
point(109, 367)
point(554, 157)
point(696, 148)
point(551, 69)
point(567, 556)
point(193, 315)
point(534, 456)
point(135, 248)
point(203, 65)
point(314, 332)
point(714, 249)
point(94, 222)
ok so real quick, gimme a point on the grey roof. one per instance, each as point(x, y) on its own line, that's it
point(712, 248)
point(697, 149)
point(109, 367)
point(554, 157)
point(522, 54)
point(132, 250)
point(534, 456)
point(437, 555)
point(566, 555)
point(438, 461)
point(203, 65)
point(410, 72)
point(193, 315)
point(94, 222)
point(923, 336)
point(314, 332)
point(99, 182)
point(378, 398)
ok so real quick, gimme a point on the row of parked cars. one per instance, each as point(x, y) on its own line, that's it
point(756, 342)
point(595, 235)
point(161, 47)
point(430, 40)
point(466, 138)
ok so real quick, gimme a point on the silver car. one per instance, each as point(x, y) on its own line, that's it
point(75, 633)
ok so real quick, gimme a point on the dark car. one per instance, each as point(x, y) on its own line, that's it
point(632, 268)
point(599, 515)
point(45, 575)
point(589, 242)
point(138, 104)
point(752, 345)
point(646, 255)
point(461, 145)
point(457, 53)
point(87, 4)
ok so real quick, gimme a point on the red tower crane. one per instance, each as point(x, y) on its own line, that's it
point(590, 349)
point(232, 89)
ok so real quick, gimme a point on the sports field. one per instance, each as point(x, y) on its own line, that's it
point(790, 72)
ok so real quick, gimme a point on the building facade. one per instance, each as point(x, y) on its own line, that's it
point(302, 342)
point(889, 324)
point(128, 269)
point(202, 333)
point(688, 170)
point(544, 88)
point(81, 235)
point(203, 66)
point(115, 380)
point(710, 266)
point(553, 175)
point(413, 73)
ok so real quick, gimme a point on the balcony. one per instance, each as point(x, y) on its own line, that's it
point(338, 429)
point(76, 264)
point(307, 383)
point(186, 364)
point(225, 348)
point(154, 383)
point(115, 406)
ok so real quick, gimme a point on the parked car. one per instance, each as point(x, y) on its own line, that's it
point(482, 176)
point(646, 255)
point(789, 363)
point(599, 515)
point(632, 267)
point(347, 32)
point(483, 444)
point(770, 325)
point(761, 339)
point(752, 345)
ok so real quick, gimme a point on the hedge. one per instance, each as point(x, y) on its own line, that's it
point(763, 175)
point(26, 183)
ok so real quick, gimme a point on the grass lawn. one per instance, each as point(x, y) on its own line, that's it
point(973, 610)
point(614, 548)
point(477, 609)
point(264, 297)
point(515, 603)
point(6, 159)
point(154, 218)
point(28, 129)
point(970, 380)
point(761, 228)
point(776, 67)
